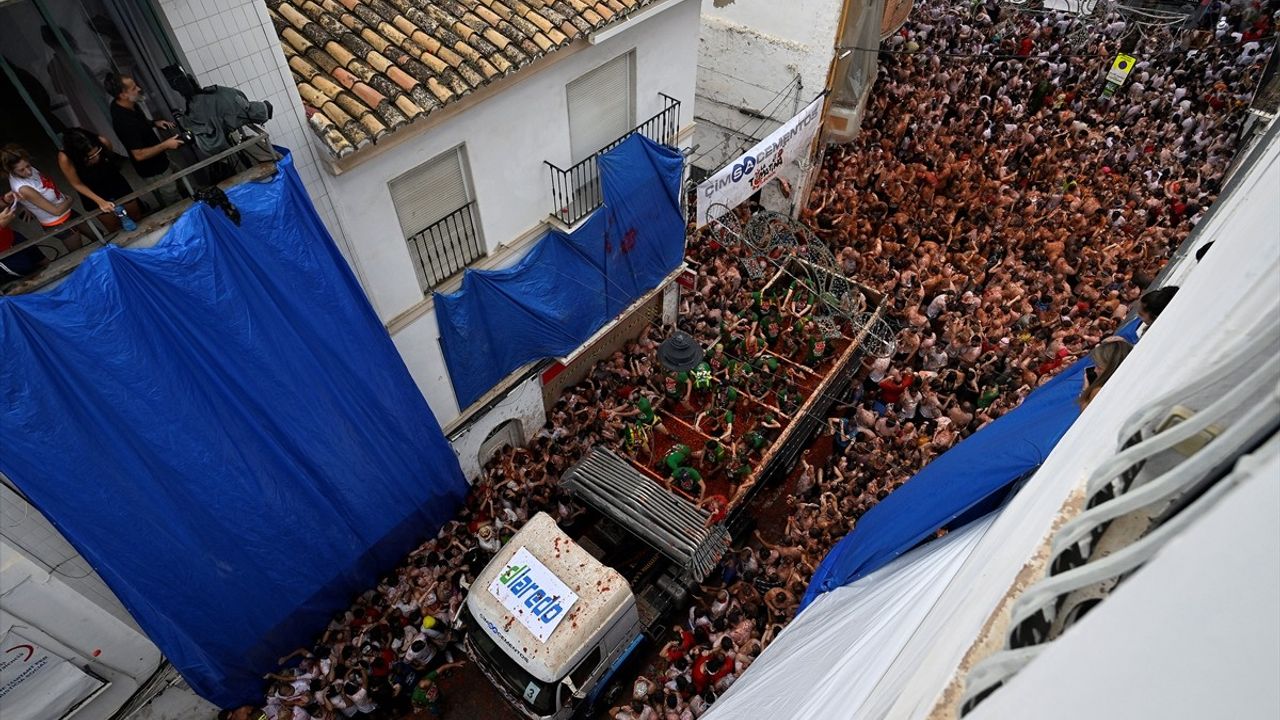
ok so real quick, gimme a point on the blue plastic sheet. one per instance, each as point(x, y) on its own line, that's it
point(959, 481)
point(568, 286)
point(221, 425)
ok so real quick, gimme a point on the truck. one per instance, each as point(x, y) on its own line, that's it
point(547, 622)
point(553, 620)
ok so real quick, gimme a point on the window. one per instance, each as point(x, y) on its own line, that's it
point(601, 106)
point(437, 212)
point(582, 673)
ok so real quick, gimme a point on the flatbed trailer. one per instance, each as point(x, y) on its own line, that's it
point(653, 538)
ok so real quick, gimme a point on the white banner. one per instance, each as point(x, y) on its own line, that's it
point(741, 178)
point(36, 684)
point(533, 594)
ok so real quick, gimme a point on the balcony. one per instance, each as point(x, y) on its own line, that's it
point(251, 158)
point(445, 247)
point(575, 192)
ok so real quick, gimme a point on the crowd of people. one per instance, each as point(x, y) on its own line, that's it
point(1011, 213)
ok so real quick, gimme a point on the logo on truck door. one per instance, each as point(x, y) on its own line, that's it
point(533, 594)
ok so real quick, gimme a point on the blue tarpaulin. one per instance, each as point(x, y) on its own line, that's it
point(569, 285)
point(977, 469)
point(221, 425)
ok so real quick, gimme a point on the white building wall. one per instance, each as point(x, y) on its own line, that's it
point(232, 43)
point(507, 138)
point(522, 405)
point(53, 597)
point(749, 50)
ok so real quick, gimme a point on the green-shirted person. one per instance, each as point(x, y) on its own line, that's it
point(988, 396)
point(727, 420)
point(647, 416)
point(728, 396)
point(772, 327)
point(703, 378)
point(755, 441)
point(817, 349)
point(676, 457)
point(689, 481)
point(676, 385)
point(717, 359)
point(426, 693)
point(636, 437)
point(789, 399)
point(714, 453)
point(740, 468)
point(768, 366)
point(783, 395)
point(757, 304)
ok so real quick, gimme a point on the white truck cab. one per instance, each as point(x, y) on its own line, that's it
point(548, 622)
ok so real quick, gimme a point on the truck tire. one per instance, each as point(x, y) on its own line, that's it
point(611, 695)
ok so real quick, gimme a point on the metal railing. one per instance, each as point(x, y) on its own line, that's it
point(445, 247)
point(575, 192)
point(87, 224)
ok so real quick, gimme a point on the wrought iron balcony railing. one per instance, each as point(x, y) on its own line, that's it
point(575, 192)
point(445, 247)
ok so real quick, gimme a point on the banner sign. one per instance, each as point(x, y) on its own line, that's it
point(1120, 68)
point(36, 684)
point(533, 594)
point(741, 178)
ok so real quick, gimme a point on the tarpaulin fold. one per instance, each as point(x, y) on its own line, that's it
point(958, 481)
point(569, 285)
point(834, 660)
point(221, 425)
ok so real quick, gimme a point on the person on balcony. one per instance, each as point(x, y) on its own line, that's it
point(40, 197)
point(93, 169)
point(138, 134)
point(21, 263)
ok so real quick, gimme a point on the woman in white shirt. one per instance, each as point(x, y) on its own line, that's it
point(39, 196)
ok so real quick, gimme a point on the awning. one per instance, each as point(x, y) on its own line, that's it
point(668, 523)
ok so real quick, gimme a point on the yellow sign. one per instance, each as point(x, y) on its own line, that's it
point(1120, 68)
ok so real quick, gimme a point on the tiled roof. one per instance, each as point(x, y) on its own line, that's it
point(366, 68)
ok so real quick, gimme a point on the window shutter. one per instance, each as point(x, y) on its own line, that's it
point(430, 192)
point(600, 107)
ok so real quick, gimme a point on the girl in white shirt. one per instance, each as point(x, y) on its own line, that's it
point(38, 195)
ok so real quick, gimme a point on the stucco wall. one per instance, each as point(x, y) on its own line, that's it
point(522, 404)
point(748, 51)
point(507, 138)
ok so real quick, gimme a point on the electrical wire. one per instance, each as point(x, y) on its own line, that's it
point(735, 77)
point(766, 110)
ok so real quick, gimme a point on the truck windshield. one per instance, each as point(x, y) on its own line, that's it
point(538, 696)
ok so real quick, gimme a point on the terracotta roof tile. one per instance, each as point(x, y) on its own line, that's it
point(365, 68)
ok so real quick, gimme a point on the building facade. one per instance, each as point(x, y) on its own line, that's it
point(759, 63)
point(431, 138)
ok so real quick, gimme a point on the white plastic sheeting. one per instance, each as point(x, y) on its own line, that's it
point(1221, 300)
point(1193, 634)
point(831, 660)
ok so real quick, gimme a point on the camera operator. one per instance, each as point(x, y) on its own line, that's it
point(138, 134)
